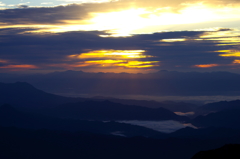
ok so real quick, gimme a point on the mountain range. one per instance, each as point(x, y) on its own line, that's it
point(162, 83)
point(24, 96)
point(36, 124)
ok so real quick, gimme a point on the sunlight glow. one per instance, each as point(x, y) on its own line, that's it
point(120, 23)
point(89, 1)
point(133, 20)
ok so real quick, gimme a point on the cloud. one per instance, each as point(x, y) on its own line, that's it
point(43, 15)
point(22, 6)
point(53, 51)
point(206, 65)
point(19, 66)
point(2, 4)
point(84, 11)
point(122, 17)
point(236, 61)
point(43, 36)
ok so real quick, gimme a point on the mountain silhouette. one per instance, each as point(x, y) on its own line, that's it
point(21, 94)
point(229, 151)
point(162, 83)
point(9, 116)
point(107, 110)
point(26, 97)
point(218, 106)
point(31, 135)
point(229, 118)
point(170, 105)
point(205, 133)
point(47, 144)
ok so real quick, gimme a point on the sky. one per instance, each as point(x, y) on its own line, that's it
point(133, 36)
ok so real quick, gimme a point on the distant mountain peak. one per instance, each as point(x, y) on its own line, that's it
point(22, 94)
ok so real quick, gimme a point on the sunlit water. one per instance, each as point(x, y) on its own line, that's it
point(166, 126)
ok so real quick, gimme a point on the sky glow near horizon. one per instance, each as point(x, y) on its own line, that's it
point(120, 35)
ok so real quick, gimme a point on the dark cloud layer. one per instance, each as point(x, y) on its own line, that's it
point(44, 15)
point(50, 48)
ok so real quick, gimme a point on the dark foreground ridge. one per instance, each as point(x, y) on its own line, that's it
point(26, 135)
point(19, 143)
point(230, 151)
point(9, 116)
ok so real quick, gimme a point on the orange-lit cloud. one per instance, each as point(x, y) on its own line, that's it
point(236, 61)
point(19, 66)
point(8, 65)
point(206, 65)
point(3, 61)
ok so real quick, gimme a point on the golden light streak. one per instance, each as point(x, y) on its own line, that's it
point(173, 40)
point(225, 51)
point(236, 54)
point(116, 54)
point(104, 63)
point(224, 38)
point(206, 65)
point(229, 53)
point(122, 63)
point(35, 26)
point(139, 64)
point(110, 64)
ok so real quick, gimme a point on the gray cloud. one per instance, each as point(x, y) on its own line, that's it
point(44, 15)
